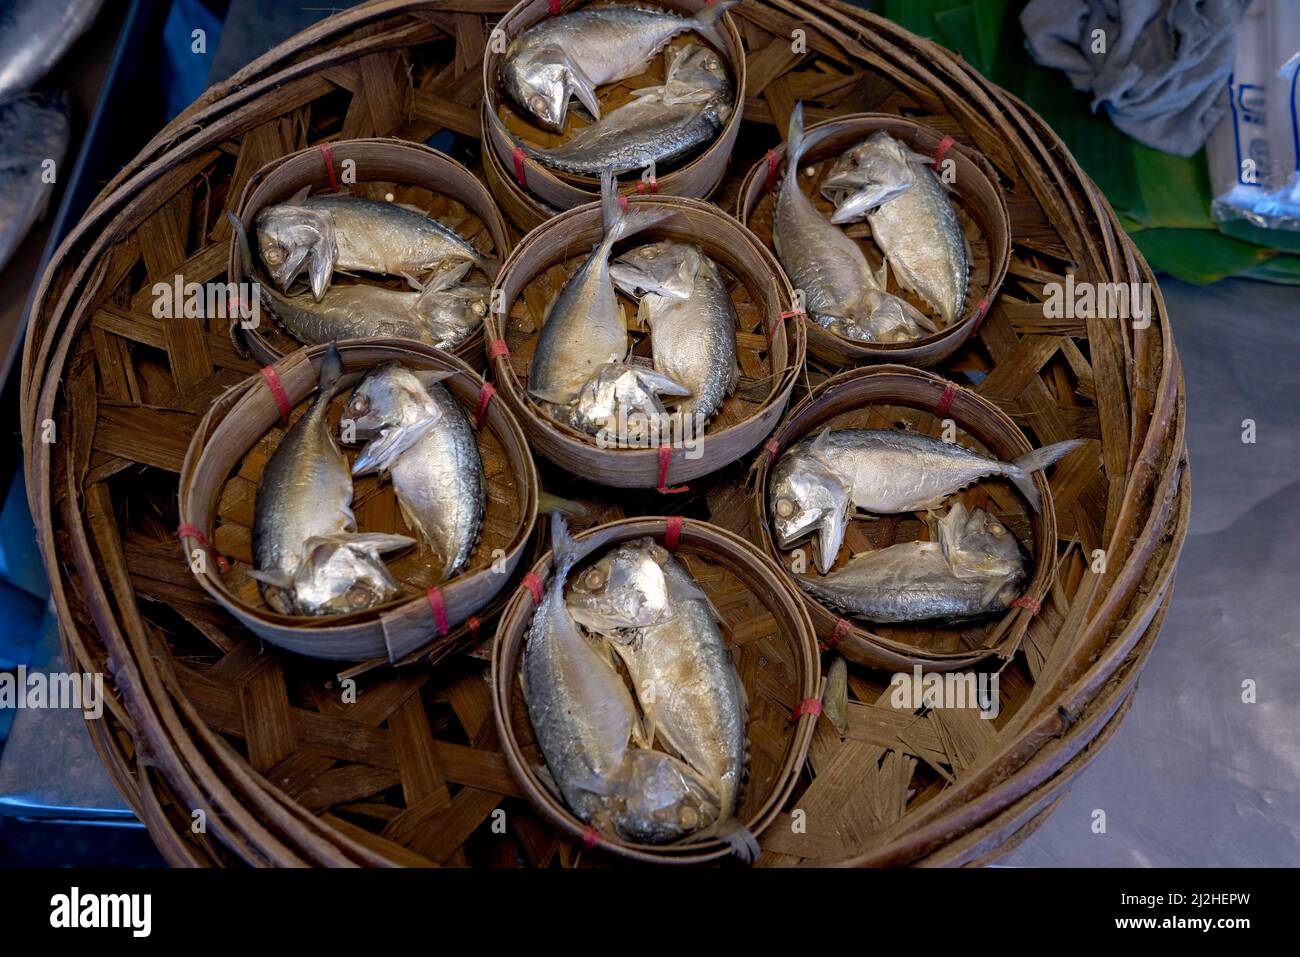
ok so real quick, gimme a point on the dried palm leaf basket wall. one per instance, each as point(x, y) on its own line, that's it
point(897, 397)
point(380, 169)
point(529, 190)
point(233, 444)
point(977, 199)
point(771, 643)
point(200, 714)
point(770, 349)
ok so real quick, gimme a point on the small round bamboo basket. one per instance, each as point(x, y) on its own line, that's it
point(771, 642)
point(376, 169)
point(980, 207)
point(217, 497)
point(769, 341)
point(900, 397)
point(537, 184)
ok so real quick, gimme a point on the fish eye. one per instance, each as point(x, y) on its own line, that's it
point(688, 816)
point(997, 529)
point(361, 403)
point(479, 308)
point(358, 596)
point(274, 256)
point(537, 103)
point(594, 579)
point(784, 507)
point(711, 64)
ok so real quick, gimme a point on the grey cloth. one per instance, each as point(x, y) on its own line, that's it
point(1165, 66)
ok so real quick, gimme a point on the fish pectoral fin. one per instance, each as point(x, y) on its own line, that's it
point(582, 87)
point(275, 579)
point(644, 735)
point(373, 543)
point(381, 453)
point(298, 198)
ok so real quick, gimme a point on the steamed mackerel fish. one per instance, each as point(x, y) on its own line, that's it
point(34, 35)
point(665, 630)
point(662, 125)
point(912, 219)
point(322, 234)
point(590, 732)
point(32, 130)
point(841, 293)
point(972, 566)
point(572, 54)
point(884, 471)
point(691, 316)
point(443, 314)
point(310, 558)
point(419, 434)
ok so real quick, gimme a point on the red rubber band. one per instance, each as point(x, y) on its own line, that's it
point(485, 395)
point(812, 706)
point(944, 146)
point(328, 154)
point(773, 450)
point(981, 311)
point(841, 629)
point(498, 348)
point(519, 167)
point(673, 533)
point(190, 531)
point(590, 836)
point(1032, 604)
point(945, 400)
point(277, 390)
point(534, 585)
point(474, 625)
point(434, 595)
point(554, 7)
point(622, 201)
point(665, 459)
point(771, 170)
point(781, 317)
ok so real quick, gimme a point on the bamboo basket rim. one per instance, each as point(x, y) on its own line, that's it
point(558, 188)
point(820, 135)
point(718, 544)
point(339, 629)
point(745, 434)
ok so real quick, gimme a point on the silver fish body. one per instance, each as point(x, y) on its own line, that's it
point(34, 35)
point(32, 130)
point(915, 226)
point(975, 566)
point(661, 126)
point(691, 316)
point(584, 327)
point(572, 54)
point(309, 558)
point(437, 478)
point(332, 232)
point(883, 471)
point(666, 632)
point(840, 291)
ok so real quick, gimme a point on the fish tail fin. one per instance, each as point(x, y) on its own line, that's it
point(546, 502)
point(620, 223)
point(1022, 470)
point(744, 845)
point(562, 542)
point(708, 22)
point(245, 251)
point(794, 139)
point(331, 369)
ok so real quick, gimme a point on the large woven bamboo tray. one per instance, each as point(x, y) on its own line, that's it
point(202, 717)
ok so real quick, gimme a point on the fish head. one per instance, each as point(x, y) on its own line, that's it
point(663, 799)
point(664, 268)
point(867, 176)
point(622, 401)
point(809, 498)
point(625, 589)
point(542, 83)
point(695, 73)
point(344, 573)
point(390, 396)
point(290, 237)
point(452, 315)
point(978, 544)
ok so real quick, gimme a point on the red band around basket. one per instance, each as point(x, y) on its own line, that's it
point(772, 450)
point(1028, 602)
point(945, 400)
point(534, 585)
point(439, 609)
point(474, 625)
point(484, 400)
point(841, 629)
point(654, 185)
point(665, 459)
point(981, 311)
point(771, 170)
point(553, 6)
point(277, 390)
point(944, 146)
point(590, 836)
point(673, 533)
point(519, 167)
point(328, 154)
point(498, 348)
point(190, 531)
point(812, 706)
